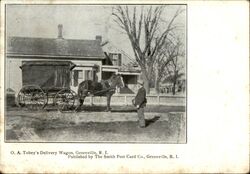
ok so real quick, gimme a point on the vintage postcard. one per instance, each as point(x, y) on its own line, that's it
point(80, 76)
point(146, 87)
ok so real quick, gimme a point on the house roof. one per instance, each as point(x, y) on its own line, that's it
point(48, 63)
point(54, 47)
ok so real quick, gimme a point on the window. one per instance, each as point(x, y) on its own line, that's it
point(80, 74)
point(116, 58)
point(77, 76)
point(91, 75)
point(87, 75)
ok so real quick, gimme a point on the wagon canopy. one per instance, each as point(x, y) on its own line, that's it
point(47, 74)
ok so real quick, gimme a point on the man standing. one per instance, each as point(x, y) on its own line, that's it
point(140, 102)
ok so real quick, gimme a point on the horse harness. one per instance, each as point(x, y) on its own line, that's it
point(106, 86)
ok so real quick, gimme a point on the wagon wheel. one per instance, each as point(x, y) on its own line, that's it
point(31, 97)
point(65, 100)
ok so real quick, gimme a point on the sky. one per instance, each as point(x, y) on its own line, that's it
point(79, 22)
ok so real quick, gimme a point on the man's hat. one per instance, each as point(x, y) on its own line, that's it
point(140, 81)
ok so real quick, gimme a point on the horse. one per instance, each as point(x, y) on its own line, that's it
point(104, 88)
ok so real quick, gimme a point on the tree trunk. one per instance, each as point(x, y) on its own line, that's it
point(157, 85)
point(146, 81)
point(146, 86)
point(157, 79)
point(173, 89)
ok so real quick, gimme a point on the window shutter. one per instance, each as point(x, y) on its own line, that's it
point(94, 76)
point(86, 75)
point(91, 75)
point(119, 59)
point(75, 78)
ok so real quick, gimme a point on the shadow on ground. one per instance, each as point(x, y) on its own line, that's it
point(152, 120)
point(126, 131)
point(58, 127)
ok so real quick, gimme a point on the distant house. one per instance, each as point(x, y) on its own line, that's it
point(166, 86)
point(88, 56)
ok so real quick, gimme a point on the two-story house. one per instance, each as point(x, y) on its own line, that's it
point(92, 60)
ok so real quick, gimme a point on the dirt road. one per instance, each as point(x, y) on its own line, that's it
point(167, 125)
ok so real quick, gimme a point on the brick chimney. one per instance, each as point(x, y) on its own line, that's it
point(99, 38)
point(60, 30)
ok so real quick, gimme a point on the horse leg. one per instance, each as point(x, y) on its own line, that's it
point(108, 103)
point(81, 101)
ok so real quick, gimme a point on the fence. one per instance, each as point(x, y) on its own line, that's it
point(126, 99)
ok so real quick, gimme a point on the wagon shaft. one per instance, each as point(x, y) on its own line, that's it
point(103, 91)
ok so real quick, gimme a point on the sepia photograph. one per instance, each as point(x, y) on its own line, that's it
point(96, 73)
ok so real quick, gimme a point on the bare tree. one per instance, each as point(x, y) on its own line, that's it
point(173, 71)
point(142, 26)
point(168, 61)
